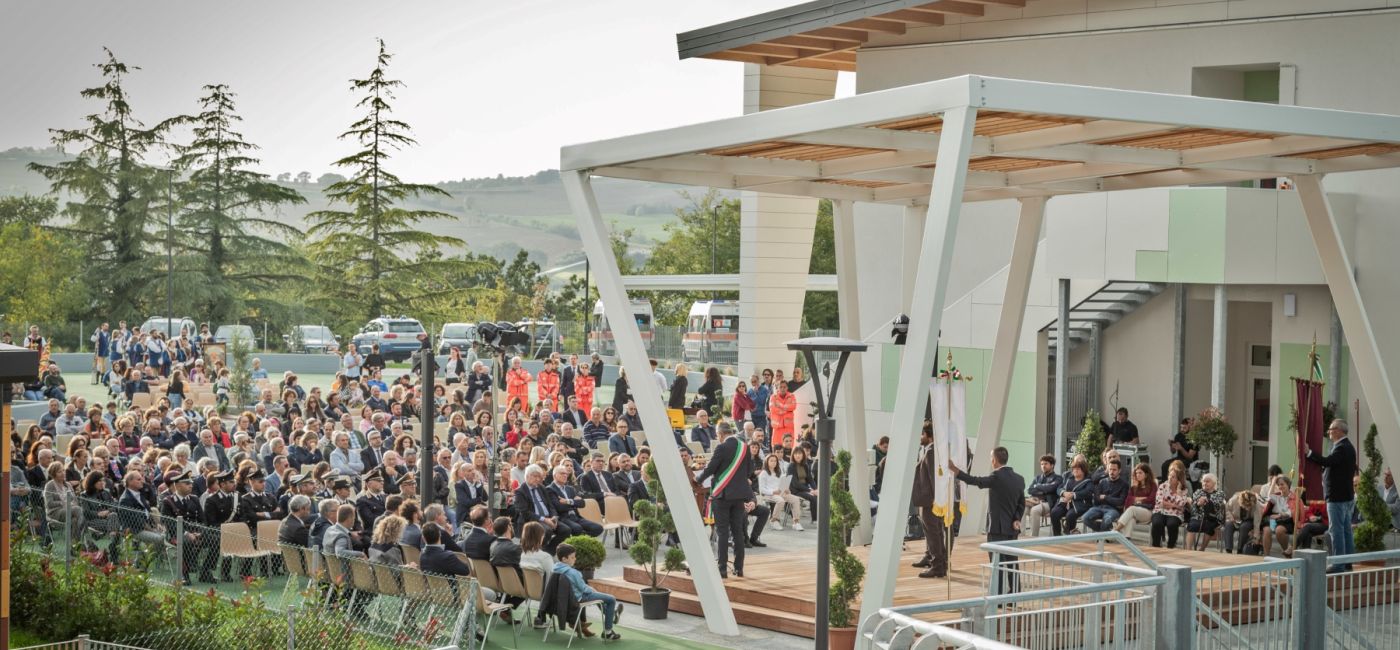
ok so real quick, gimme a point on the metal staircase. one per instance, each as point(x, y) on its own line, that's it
point(1106, 306)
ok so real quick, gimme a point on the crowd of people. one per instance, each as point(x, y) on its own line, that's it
point(336, 464)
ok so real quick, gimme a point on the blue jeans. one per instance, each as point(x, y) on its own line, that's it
point(1101, 518)
point(609, 606)
point(1339, 517)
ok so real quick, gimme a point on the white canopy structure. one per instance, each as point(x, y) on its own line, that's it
point(966, 139)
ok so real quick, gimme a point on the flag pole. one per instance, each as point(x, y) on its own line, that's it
point(1300, 495)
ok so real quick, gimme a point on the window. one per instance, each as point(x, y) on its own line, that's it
point(724, 323)
point(643, 320)
point(405, 326)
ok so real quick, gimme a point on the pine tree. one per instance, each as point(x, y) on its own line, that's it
point(234, 252)
point(368, 251)
point(115, 196)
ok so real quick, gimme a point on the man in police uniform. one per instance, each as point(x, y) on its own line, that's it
point(220, 505)
point(298, 484)
point(258, 504)
point(369, 505)
point(179, 502)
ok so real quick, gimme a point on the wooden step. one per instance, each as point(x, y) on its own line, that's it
point(744, 613)
point(748, 591)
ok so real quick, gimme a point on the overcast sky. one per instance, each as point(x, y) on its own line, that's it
point(491, 87)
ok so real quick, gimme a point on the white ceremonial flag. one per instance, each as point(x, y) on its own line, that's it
point(949, 407)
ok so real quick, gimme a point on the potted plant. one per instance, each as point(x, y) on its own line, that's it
point(841, 632)
point(1375, 516)
point(654, 523)
point(1213, 433)
point(1092, 440)
point(591, 554)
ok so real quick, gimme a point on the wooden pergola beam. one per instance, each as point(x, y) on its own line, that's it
point(877, 25)
point(955, 7)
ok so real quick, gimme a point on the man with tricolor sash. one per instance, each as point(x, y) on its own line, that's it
point(731, 497)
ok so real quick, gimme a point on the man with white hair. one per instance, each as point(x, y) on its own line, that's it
point(71, 423)
point(343, 459)
point(532, 503)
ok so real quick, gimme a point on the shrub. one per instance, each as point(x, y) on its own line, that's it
point(591, 552)
point(653, 524)
point(1092, 440)
point(849, 570)
point(1375, 516)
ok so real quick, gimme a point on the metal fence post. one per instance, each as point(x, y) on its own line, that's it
point(466, 619)
point(180, 567)
point(1312, 614)
point(82, 642)
point(291, 628)
point(67, 529)
point(1176, 609)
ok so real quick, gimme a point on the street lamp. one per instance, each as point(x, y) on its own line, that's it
point(826, 434)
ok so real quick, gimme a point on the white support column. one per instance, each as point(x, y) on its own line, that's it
point(1004, 349)
point(1217, 350)
point(910, 240)
point(695, 538)
point(1351, 311)
point(850, 430)
point(925, 318)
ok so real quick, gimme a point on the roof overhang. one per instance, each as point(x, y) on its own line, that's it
point(821, 34)
point(1030, 139)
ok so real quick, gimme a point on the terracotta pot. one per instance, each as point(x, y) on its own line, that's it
point(841, 638)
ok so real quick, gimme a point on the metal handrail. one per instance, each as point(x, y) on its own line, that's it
point(1005, 549)
point(1013, 598)
point(945, 634)
point(1392, 554)
point(1273, 564)
point(1105, 536)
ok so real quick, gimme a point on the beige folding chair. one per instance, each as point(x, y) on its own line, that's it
point(235, 542)
point(362, 579)
point(411, 553)
point(415, 589)
point(387, 583)
point(297, 566)
point(513, 584)
point(486, 574)
point(488, 609)
point(267, 534)
point(335, 570)
point(141, 400)
point(618, 512)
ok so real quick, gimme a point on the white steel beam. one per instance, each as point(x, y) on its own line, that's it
point(1351, 310)
point(709, 282)
point(850, 432)
point(1005, 348)
point(925, 318)
point(719, 615)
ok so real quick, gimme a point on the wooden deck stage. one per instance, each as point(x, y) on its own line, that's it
point(778, 590)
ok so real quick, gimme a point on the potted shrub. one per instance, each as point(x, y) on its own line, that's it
point(591, 554)
point(654, 524)
point(841, 634)
point(1213, 433)
point(1375, 516)
point(1092, 440)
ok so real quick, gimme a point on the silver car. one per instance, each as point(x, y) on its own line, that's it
point(314, 339)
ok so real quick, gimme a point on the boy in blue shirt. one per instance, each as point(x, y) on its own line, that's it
point(612, 610)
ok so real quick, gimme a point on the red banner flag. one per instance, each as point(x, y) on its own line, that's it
point(1310, 426)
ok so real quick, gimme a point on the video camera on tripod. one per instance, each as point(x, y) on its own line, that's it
point(501, 335)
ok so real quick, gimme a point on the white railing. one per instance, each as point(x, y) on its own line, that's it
point(1363, 604)
point(1249, 606)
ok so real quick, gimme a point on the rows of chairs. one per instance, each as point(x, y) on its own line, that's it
point(615, 517)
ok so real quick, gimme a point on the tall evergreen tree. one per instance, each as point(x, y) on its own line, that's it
point(116, 196)
point(233, 252)
point(368, 251)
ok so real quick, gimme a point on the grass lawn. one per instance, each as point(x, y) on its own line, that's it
point(21, 638)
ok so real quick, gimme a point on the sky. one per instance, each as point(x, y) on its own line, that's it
point(490, 87)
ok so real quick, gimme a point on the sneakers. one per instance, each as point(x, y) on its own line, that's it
point(617, 613)
point(611, 635)
point(797, 526)
point(778, 525)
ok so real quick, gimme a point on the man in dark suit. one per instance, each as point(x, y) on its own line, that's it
point(731, 497)
point(935, 559)
point(597, 482)
point(1340, 467)
point(370, 502)
point(477, 544)
point(573, 415)
point(1006, 502)
point(372, 455)
point(567, 502)
point(437, 559)
point(296, 529)
point(532, 503)
point(566, 383)
point(135, 512)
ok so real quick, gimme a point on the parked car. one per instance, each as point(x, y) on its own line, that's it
point(456, 335)
point(545, 339)
point(313, 339)
point(397, 337)
point(170, 326)
point(226, 333)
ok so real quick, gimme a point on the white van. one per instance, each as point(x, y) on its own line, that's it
point(600, 334)
point(712, 332)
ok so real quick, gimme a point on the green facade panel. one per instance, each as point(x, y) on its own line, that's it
point(1151, 266)
point(1196, 236)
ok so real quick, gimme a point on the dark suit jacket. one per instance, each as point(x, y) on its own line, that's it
point(465, 500)
point(739, 487)
point(557, 492)
point(367, 457)
point(436, 559)
point(133, 514)
point(1006, 499)
point(566, 385)
point(477, 545)
point(575, 418)
point(1341, 466)
point(198, 453)
point(924, 472)
point(505, 552)
point(525, 505)
point(294, 531)
point(592, 489)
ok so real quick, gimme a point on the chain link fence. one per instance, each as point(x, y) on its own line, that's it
point(268, 594)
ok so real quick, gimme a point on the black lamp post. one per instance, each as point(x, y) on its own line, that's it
point(826, 434)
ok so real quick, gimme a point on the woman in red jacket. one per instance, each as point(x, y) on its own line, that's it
point(741, 408)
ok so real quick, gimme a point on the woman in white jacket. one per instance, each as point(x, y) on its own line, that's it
point(770, 490)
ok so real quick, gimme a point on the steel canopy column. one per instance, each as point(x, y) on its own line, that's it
point(1217, 351)
point(1178, 355)
point(851, 433)
point(916, 368)
point(1334, 359)
point(719, 616)
point(1061, 371)
point(1351, 311)
point(1005, 347)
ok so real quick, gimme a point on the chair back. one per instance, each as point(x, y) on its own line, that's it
point(296, 564)
point(617, 511)
point(233, 539)
point(462, 588)
point(534, 585)
point(591, 512)
point(267, 534)
point(362, 575)
point(485, 574)
point(315, 564)
point(387, 580)
point(512, 583)
point(440, 590)
point(335, 568)
point(411, 553)
point(415, 583)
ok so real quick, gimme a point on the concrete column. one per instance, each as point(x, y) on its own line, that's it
point(850, 420)
point(775, 232)
point(1061, 372)
point(1334, 362)
point(1178, 356)
point(1217, 349)
point(1095, 363)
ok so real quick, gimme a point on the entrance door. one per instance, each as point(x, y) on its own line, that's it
point(1260, 389)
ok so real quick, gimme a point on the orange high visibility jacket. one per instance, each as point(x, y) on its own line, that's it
point(583, 392)
point(518, 386)
point(548, 387)
point(782, 408)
